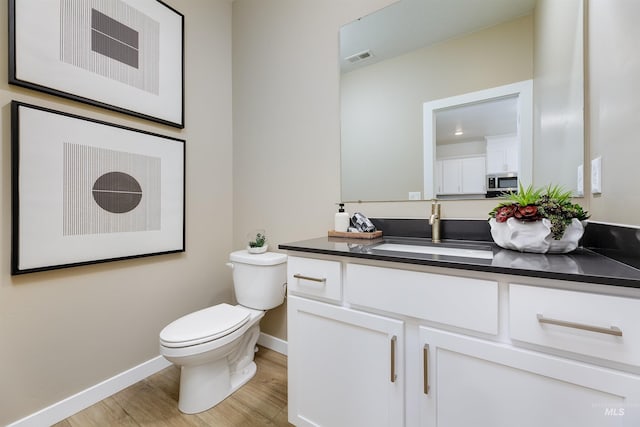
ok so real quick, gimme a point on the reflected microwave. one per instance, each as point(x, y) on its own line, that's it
point(498, 184)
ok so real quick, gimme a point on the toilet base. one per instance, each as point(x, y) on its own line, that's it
point(203, 387)
point(211, 371)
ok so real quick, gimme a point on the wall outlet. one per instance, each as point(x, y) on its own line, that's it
point(415, 195)
point(596, 175)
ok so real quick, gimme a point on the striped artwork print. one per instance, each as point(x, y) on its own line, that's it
point(108, 191)
point(112, 39)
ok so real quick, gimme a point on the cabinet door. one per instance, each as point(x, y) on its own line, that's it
point(512, 157)
point(502, 154)
point(438, 177)
point(473, 175)
point(462, 175)
point(451, 176)
point(473, 382)
point(346, 367)
point(496, 160)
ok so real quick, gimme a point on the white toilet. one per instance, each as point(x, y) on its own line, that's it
point(214, 347)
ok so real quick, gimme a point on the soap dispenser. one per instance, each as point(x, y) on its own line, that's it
point(343, 220)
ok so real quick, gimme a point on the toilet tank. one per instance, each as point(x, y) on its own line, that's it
point(259, 279)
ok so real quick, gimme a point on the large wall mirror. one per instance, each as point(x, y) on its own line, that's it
point(403, 69)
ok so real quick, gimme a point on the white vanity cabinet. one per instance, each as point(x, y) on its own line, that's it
point(426, 346)
point(604, 327)
point(346, 367)
point(472, 382)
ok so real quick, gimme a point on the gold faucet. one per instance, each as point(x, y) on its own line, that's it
point(434, 221)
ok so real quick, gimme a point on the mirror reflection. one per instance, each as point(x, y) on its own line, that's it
point(391, 71)
point(478, 145)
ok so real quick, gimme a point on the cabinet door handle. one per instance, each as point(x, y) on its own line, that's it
point(312, 279)
point(612, 330)
point(425, 367)
point(394, 340)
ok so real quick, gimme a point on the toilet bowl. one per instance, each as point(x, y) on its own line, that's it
point(214, 347)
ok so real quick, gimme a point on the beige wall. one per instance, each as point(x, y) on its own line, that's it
point(558, 130)
point(382, 104)
point(286, 119)
point(64, 331)
point(614, 67)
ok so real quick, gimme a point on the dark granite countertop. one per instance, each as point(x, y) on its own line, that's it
point(581, 265)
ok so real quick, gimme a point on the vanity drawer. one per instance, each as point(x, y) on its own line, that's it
point(457, 301)
point(314, 278)
point(602, 326)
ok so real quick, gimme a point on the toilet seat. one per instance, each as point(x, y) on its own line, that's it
point(204, 325)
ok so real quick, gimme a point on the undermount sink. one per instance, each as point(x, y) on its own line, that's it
point(474, 251)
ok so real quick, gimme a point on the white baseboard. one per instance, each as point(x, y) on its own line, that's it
point(73, 404)
point(82, 400)
point(273, 343)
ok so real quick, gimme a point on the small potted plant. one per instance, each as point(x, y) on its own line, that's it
point(538, 220)
point(258, 243)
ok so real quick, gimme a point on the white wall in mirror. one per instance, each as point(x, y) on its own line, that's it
point(408, 25)
point(381, 104)
point(490, 113)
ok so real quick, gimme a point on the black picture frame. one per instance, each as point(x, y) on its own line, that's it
point(86, 191)
point(105, 53)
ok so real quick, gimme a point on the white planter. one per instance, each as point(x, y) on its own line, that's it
point(260, 250)
point(535, 236)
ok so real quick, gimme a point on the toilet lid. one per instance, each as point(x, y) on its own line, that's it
point(267, 258)
point(204, 325)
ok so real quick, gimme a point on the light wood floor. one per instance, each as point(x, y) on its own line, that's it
point(154, 401)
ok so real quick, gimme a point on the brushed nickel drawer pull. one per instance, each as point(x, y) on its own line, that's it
point(425, 367)
point(312, 279)
point(394, 339)
point(612, 330)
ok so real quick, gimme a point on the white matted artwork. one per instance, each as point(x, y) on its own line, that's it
point(124, 55)
point(86, 191)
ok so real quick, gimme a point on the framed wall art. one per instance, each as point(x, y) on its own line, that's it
point(86, 191)
point(124, 55)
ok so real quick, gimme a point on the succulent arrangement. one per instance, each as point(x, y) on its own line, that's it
point(530, 204)
point(259, 241)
